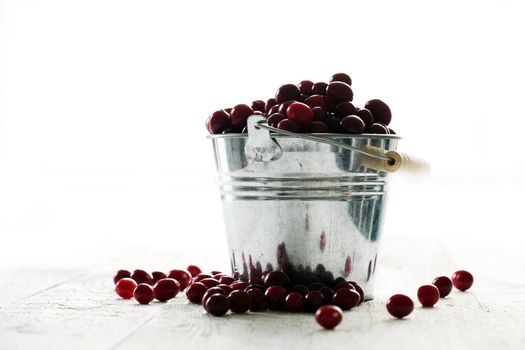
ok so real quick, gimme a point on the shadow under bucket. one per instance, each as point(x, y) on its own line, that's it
point(312, 210)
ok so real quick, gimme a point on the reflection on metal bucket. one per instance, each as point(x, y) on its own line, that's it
point(315, 213)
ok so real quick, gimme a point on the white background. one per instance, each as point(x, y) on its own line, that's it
point(103, 103)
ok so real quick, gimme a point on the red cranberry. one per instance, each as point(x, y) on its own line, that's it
point(273, 110)
point(316, 101)
point(275, 296)
point(217, 305)
point(328, 295)
point(329, 316)
point(344, 285)
point(218, 122)
point(275, 118)
point(319, 114)
point(335, 125)
point(141, 276)
point(157, 276)
point(300, 288)
point(193, 270)
point(353, 124)
point(399, 305)
point(380, 111)
point(125, 287)
point(259, 105)
point(183, 277)
point(344, 109)
point(428, 295)
point(226, 280)
point(166, 289)
point(337, 92)
point(240, 301)
point(255, 286)
point(366, 116)
point(210, 282)
point(144, 293)
point(287, 92)
point(346, 298)
point(211, 291)
point(195, 292)
point(462, 280)
point(239, 285)
point(239, 115)
point(313, 300)
point(300, 113)
point(276, 278)
point(218, 275)
point(288, 125)
point(444, 284)
point(359, 290)
point(306, 86)
point(377, 129)
point(201, 276)
point(319, 88)
point(283, 107)
point(294, 302)
point(319, 127)
point(120, 275)
point(257, 299)
point(315, 286)
point(269, 104)
point(226, 288)
point(345, 78)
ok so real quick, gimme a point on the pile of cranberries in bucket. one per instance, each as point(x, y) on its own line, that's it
point(309, 108)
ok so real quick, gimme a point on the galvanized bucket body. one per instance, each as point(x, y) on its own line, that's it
point(315, 213)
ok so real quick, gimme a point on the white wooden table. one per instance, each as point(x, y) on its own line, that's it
point(79, 310)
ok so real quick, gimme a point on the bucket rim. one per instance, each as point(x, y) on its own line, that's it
point(328, 135)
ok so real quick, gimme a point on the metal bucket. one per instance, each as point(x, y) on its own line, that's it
point(314, 211)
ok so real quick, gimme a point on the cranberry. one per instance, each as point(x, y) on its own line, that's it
point(300, 113)
point(366, 116)
point(428, 295)
point(195, 292)
point(335, 125)
point(299, 288)
point(259, 105)
point(377, 128)
point(166, 289)
point(315, 286)
point(306, 86)
point(316, 101)
point(269, 104)
point(313, 300)
point(239, 285)
point(276, 278)
point(328, 294)
point(210, 292)
point(399, 305)
point(255, 286)
point(273, 110)
point(226, 280)
point(144, 293)
point(359, 290)
point(283, 107)
point(218, 275)
point(218, 122)
point(120, 275)
point(319, 88)
point(157, 276)
point(462, 280)
point(353, 124)
point(240, 301)
point(275, 296)
point(337, 92)
point(217, 305)
point(210, 282)
point(287, 92)
point(288, 125)
point(141, 276)
point(380, 111)
point(346, 298)
point(345, 78)
point(239, 115)
point(345, 108)
point(257, 299)
point(294, 302)
point(275, 118)
point(319, 127)
point(201, 276)
point(125, 287)
point(226, 288)
point(444, 284)
point(193, 270)
point(319, 114)
point(183, 277)
point(329, 316)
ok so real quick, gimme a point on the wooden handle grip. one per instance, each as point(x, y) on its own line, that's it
point(401, 162)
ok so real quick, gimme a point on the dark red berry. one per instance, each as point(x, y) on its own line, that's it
point(360, 290)
point(141, 276)
point(288, 125)
point(377, 129)
point(316, 101)
point(275, 118)
point(273, 110)
point(366, 116)
point(210, 282)
point(329, 316)
point(182, 276)
point(274, 297)
point(259, 105)
point(120, 275)
point(193, 270)
point(428, 295)
point(306, 86)
point(276, 278)
point(257, 299)
point(315, 286)
point(239, 115)
point(346, 298)
point(345, 78)
point(240, 301)
point(344, 109)
point(166, 289)
point(444, 284)
point(319, 114)
point(313, 300)
point(283, 107)
point(125, 287)
point(353, 124)
point(195, 292)
point(294, 302)
point(380, 111)
point(338, 91)
point(319, 88)
point(226, 280)
point(335, 125)
point(392, 132)
point(344, 285)
point(300, 288)
point(226, 288)
point(218, 122)
point(287, 92)
point(328, 294)
point(300, 113)
point(144, 293)
point(239, 285)
point(201, 276)
point(399, 305)
point(462, 280)
point(269, 104)
point(211, 291)
point(217, 305)
point(319, 127)
point(157, 276)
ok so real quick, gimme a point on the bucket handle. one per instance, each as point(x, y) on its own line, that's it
point(374, 157)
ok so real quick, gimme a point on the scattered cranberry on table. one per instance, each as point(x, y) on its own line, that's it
point(141, 276)
point(195, 292)
point(144, 293)
point(166, 289)
point(120, 275)
point(157, 276)
point(217, 305)
point(329, 316)
point(183, 277)
point(399, 305)
point(346, 299)
point(428, 295)
point(462, 280)
point(194, 270)
point(125, 287)
point(240, 301)
point(443, 284)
